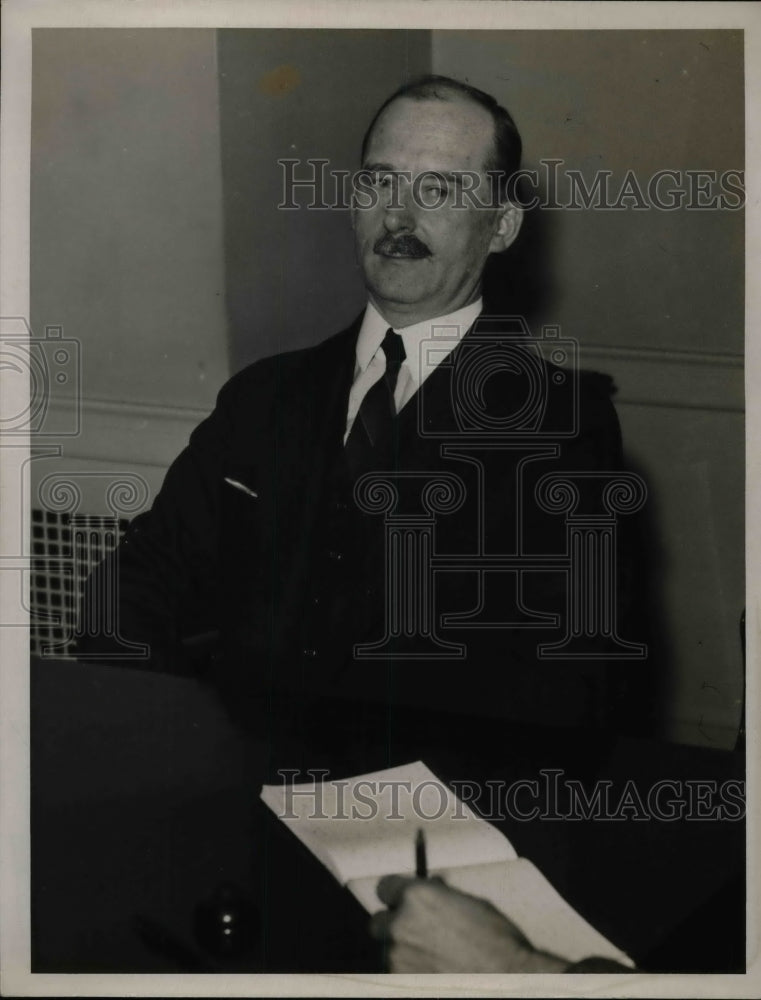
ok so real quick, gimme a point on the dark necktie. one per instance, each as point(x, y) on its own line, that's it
point(370, 441)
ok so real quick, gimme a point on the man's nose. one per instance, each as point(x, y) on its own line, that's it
point(399, 214)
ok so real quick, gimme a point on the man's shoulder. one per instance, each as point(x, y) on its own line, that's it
point(543, 375)
point(278, 375)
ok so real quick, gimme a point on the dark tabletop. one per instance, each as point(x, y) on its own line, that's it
point(145, 802)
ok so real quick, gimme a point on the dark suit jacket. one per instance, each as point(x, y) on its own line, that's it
point(286, 582)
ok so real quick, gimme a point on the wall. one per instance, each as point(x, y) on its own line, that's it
point(126, 234)
point(292, 279)
point(639, 100)
point(656, 300)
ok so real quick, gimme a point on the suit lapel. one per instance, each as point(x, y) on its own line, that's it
point(272, 500)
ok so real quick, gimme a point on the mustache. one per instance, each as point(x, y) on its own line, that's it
point(405, 245)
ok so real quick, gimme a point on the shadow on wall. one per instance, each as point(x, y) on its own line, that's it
point(520, 280)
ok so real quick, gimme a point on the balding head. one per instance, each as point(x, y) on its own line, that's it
point(504, 156)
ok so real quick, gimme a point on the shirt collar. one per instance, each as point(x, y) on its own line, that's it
point(447, 330)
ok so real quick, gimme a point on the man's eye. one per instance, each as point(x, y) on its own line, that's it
point(383, 180)
point(436, 190)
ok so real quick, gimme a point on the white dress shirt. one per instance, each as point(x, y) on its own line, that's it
point(426, 345)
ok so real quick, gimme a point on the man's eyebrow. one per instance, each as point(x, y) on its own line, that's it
point(377, 167)
point(453, 176)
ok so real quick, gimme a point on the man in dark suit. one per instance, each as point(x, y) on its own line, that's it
point(291, 544)
point(368, 547)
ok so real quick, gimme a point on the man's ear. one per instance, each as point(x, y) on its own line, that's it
point(509, 222)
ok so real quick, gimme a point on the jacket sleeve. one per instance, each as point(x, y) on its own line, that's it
point(158, 586)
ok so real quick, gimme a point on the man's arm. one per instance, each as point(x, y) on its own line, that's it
point(165, 570)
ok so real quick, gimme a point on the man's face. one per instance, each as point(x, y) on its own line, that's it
point(421, 262)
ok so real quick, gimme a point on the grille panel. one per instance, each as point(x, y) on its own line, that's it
point(58, 574)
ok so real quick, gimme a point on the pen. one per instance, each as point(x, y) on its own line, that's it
point(241, 486)
point(421, 861)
